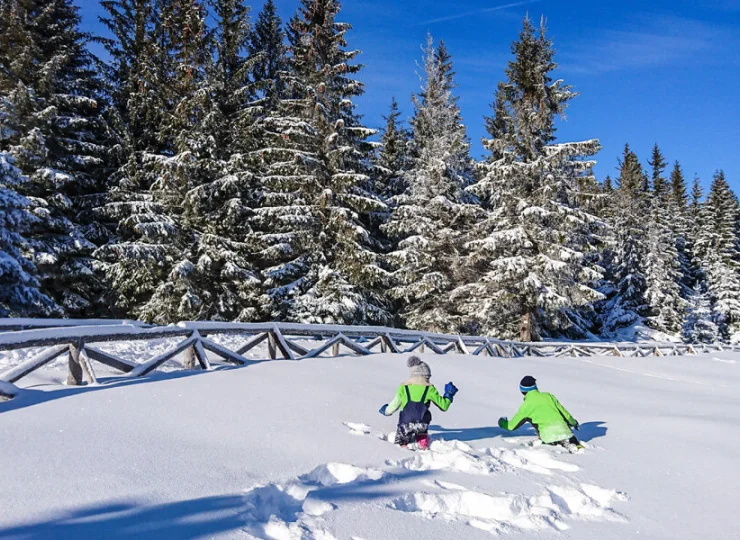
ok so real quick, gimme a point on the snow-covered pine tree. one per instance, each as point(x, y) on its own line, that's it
point(205, 277)
point(139, 256)
point(718, 251)
point(626, 286)
point(681, 227)
point(663, 269)
point(317, 255)
point(530, 253)
point(268, 52)
point(19, 288)
point(699, 326)
point(429, 216)
point(53, 102)
point(219, 272)
point(393, 158)
point(227, 75)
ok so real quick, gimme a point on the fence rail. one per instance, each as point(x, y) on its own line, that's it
point(77, 340)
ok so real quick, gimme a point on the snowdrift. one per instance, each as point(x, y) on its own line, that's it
point(297, 450)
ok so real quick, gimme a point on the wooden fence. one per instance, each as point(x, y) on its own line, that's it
point(79, 340)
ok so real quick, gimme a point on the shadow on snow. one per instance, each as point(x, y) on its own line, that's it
point(587, 432)
point(202, 517)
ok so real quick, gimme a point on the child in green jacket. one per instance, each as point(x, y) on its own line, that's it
point(413, 399)
point(549, 418)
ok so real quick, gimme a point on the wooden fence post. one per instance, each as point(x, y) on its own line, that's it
point(272, 345)
point(188, 358)
point(74, 377)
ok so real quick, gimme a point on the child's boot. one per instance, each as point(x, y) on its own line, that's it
point(423, 441)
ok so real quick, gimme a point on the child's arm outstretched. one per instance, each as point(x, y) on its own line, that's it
point(442, 402)
point(521, 417)
point(390, 408)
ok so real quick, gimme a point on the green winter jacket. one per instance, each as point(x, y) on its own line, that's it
point(551, 420)
point(416, 391)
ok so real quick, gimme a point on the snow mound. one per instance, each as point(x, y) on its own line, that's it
point(339, 473)
point(448, 455)
point(293, 511)
point(507, 513)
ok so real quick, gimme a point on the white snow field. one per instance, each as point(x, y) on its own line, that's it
point(297, 450)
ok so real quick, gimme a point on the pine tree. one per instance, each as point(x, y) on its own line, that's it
point(718, 251)
point(148, 239)
point(626, 286)
point(53, 102)
point(315, 249)
point(530, 253)
point(608, 186)
point(217, 274)
point(699, 326)
point(393, 158)
point(663, 269)
point(681, 227)
point(227, 76)
point(428, 216)
point(19, 288)
point(267, 49)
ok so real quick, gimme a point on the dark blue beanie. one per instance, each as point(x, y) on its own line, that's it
point(528, 384)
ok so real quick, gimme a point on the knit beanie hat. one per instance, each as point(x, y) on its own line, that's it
point(417, 368)
point(528, 384)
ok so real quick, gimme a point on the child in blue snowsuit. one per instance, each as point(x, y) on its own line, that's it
point(413, 399)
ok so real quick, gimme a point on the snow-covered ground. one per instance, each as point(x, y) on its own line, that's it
point(296, 450)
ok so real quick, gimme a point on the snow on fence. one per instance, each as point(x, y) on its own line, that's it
point(77, 340)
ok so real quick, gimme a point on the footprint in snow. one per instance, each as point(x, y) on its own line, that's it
point(293, 511)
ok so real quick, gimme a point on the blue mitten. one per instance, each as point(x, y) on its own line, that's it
point(450, 391)
point(383, 409)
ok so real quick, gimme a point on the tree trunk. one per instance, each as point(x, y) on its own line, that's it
point(528, 326)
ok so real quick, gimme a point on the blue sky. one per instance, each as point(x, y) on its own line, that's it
point(665, 71)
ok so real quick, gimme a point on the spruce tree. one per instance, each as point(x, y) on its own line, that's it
point(428, 217)
point(393, 158)
point(217, 274)
point(718, 253)
point(627, 286)
point(19, 288)
point(663, 271)
point(311, 221)
point(268, 52)
point(148, 239)
point(530, 254)
point(52, 105)
point(681, 227)
point(227, 75)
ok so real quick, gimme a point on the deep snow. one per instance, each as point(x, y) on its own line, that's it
point(297, 450)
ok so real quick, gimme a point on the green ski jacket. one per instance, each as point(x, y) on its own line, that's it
point(551, 420)
point(416, 391)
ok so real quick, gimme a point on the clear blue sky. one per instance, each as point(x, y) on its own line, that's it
point(665, 71)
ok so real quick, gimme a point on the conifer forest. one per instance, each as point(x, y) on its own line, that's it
point(214, 166)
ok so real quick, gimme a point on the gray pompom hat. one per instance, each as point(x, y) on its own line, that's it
point(418, 368)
